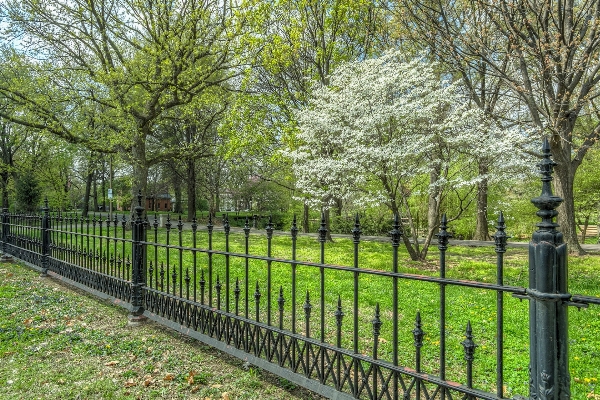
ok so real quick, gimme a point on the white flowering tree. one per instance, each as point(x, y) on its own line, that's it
point(382, 123)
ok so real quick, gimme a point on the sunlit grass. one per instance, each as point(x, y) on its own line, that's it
point(463, 304)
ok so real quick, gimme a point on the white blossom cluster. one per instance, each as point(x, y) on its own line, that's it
point(382, 122)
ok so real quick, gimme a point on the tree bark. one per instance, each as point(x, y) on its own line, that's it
point(88, 188)
point(563, 187)
point(177, 187)
point(433, 209)
point(481, 227)
point(191, 190)
point(140, 168)
point(95, 196)
point(305, 219)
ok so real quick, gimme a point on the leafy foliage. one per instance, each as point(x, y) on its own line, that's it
point(28, 192)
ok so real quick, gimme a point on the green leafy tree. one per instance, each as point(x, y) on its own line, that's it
point(28, 192)
point(587, 192)
point(542, 54)
point(130, 62)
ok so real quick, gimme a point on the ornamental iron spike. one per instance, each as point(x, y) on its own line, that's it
point(322, 229)
point(294, 229)
point(168, 223)
point(443, 235)
point(339, 314)
point(139, 197)
point(194, 224)
point(307, 306)
point(468, 344)
point(396, 232)
point(218, 286)
point(500, 236)
point(226, 226)
point(237, 289)
point(356, 230)
point(180, 224)
point(280, 299)
point(418, 333)
point(257, 293)
point(202, 284)
point(376, 322)
point(210, 225)
point(247, 227)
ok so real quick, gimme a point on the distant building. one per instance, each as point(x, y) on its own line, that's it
point(159, 202)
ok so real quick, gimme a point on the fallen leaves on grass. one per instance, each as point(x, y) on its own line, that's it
point(169, 377)
point(130, 383)
point(111, 363)
point(148, 380)
point(191, 376)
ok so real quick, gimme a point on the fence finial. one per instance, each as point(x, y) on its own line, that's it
point(396, 232)
point(356, 230)
point(500, 236)
point(322, 229)
point(443, 235)
point(547, 202)
point(294, 229)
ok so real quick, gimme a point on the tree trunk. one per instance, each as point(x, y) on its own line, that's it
point(217, 202)
point(433, 206)
point(177, 187)
point(563, 187)
point(339, 204)
point(95, 196)
point(586, 222)
point(88, 188)
point(5, 177)
point(191, 190)
point(140, 168)
point(305, 218)
point(481, 227)
point(412, 248)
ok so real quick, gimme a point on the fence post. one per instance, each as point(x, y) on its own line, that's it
point(45, 238)
point(7, 258)
point(137, 274)
point(548, 337)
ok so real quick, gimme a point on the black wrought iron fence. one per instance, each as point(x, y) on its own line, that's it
point(340, 330)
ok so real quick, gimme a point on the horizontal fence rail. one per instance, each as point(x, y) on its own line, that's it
point(344, 331)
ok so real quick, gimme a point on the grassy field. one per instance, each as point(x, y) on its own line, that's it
point(463, 304)
point(56, 343)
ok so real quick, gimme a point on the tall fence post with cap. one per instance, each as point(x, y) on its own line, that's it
point(137, 273)
point(548, 328)
point(45, 238)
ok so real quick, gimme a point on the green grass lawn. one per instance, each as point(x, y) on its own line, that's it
point(56, 343)
point(463, 304)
